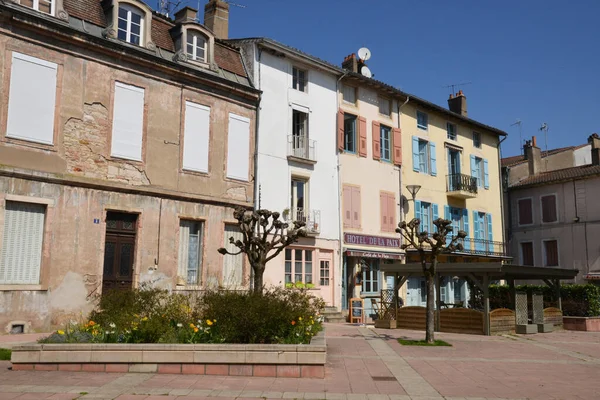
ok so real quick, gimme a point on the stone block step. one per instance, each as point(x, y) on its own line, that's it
point(335, 320)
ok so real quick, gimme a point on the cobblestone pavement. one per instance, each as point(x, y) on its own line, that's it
point(363, 364)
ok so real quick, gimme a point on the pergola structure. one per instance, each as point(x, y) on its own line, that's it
point(481, 273)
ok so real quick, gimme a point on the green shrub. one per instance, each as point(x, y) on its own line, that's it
point(5, 354)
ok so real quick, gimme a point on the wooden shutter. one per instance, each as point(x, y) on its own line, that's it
point(525, 211)
point(465, 220)
point(376, 133)
point(238, 148)
point(128, 122)
point(486, 175)
point(435, 215)
point(415, 154)
point(391, 207)
point(362, 133)
point(397, 145)
point(549, 208)
point(32, 99)
point(527, 253)
point(433, 158)
point(233, 269)
point(347, 206)
point(383, 207)
point(355, 207)
point(196, 137)
point(340, 130)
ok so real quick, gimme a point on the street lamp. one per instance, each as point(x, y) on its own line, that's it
point(413, 190)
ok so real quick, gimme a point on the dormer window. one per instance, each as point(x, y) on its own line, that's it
point(196, 47)
point(131, 24)
point(45, 6)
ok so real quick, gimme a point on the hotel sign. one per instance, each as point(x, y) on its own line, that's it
point(365, 240)
point(368, 254)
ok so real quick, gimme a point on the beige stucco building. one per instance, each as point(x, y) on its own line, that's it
point(126, 141)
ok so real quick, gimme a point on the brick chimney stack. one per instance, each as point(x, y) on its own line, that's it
point(594, 141)
point(350, 63)
point(216, 18)
point(458, 104)
point(533, 155)
point(186, 14)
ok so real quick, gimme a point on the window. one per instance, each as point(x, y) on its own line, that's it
point(422, 120)
point(451, 131)
point(32, 99)
point(196, 137)
point(299, 79)
point(370, 276)
point(424, 156)
point(238, 148)
point(458, 290)
point(426, 217)
point(525, 211)
point(190, 251)
point(324, 275)
point(477, 140)
point(299, 124)
point(45, 6)
point(388, 211)
point(386, 143)
point(21, 252)
point(349, 94)
point(527, 253)
point(384, 106)
point(196, 47)
point(460, 221)
point(479, 170)
point(350, 133)
point(298, 266)
point(551, 253)
point(423, 290)
point(233, 266)
point(549, 208)
point(482, 226)
point(351, 204)
point(128, 122)
point(131, 23)
point(299, 199)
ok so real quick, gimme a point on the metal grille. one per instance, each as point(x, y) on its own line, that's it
point(388, 310)
point(521, 308)
point(538, 308)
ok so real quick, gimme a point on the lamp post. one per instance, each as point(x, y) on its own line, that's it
point(413, 190)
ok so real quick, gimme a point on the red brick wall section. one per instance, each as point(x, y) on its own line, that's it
point(229, 59)
point(160, 34)
point(88, 10)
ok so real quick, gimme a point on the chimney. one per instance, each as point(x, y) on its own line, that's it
point(458, 104)
point(533, 155)
point(594, 140)
point(186, 14)
point(216, 18)
point(350, 63)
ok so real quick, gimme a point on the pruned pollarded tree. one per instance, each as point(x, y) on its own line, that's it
point(430, 246)
point(264, 237)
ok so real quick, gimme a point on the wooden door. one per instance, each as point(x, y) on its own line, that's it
point(119, 251)
point(326, 278)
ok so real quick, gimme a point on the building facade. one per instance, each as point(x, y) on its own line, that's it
point(296, 161)
point(552, 219)
point(126, 141)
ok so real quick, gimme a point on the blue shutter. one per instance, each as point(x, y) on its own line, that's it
point(435, 216)
point(473, 168)
point(476, 231)
point(448, 217)
point(486, 176)
point(415, 149)
point(465, 218)
point(433, 159)
point(418, 210)
point(490, 233)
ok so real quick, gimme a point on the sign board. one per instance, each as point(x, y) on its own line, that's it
point(372, 254)
point(366, 240)
point(357, 307)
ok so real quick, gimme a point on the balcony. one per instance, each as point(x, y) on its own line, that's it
point(302, 149)
point(312, 218)
point(461, 186)
point(481, 247)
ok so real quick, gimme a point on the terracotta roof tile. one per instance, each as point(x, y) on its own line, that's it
point(160, 34)
point(515, 160)
point(559, 175)
point(229, 59)
point(88, 10)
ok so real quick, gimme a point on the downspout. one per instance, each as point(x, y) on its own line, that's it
point(256, 143)
point(400, 166)
point(501, 192)
point(339, 196)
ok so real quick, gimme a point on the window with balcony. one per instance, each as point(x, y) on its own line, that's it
point(190, 251)
point(130, 24)
point(300, 143)
point(450, 131)
point(483, 232)
point(350, 129)
point(298, 266)
point(525, 211)
point(196, 47)
point(527, 253)
point(549, 212)
point(45, 6)
point(422, 120)
point(551, 253)
point(299, 80)
point(299, 199)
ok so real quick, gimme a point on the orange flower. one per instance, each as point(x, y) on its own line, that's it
point(195, 330)
point(92, 323)
point(293, 322)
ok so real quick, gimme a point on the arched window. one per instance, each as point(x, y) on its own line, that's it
point(196, 46)
point(131, 24)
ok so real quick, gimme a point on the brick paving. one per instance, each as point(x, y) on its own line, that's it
point(363, 364)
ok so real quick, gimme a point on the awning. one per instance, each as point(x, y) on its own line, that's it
point(373, 254)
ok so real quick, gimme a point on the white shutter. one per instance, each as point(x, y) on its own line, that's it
point(184, 244)
point(238, 147)
point(232, 265)
point(196, 137)
point(32, 99)
point(21, 254)
point(128, 122)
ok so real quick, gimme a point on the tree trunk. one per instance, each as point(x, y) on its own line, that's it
point(430, 322)
point(259, 271)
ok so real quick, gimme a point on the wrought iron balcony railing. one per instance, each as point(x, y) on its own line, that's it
point(312, 218)
point(302, 148)
point(482, 247)
point(461, 183)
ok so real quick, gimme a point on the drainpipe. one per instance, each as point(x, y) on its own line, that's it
point(339, 177)
point(256, 138)
point(501, 190)
point(400, 167)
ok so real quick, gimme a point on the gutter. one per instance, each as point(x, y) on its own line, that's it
point(502, 192)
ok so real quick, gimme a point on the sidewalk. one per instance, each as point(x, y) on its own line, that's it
point(364, 364)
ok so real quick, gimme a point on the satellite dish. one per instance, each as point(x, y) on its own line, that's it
point(364, 53)
point(366, 71)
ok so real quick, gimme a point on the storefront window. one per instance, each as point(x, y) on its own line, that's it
point(370, 277)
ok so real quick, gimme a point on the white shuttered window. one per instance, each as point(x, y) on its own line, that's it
point(128, 122)
point(21, 253)
point(196, 137)
point(238, 148)
point(232, 265)
point(32, 99)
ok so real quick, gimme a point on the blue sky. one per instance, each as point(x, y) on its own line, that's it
point(532, 60)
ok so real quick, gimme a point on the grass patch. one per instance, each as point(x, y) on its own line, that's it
point(5, 354)
point(406, 342)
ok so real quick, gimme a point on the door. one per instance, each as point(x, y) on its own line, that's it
point(454, 169)
point(119, 251)
point(299, 200)
point(326, 281)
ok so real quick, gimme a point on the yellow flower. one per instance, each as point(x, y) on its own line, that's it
point(195, 330)
point(145, 319)
point(61, 332)
point(214, 320)
point(299, 318)
point(209, 322)
point(192, 326)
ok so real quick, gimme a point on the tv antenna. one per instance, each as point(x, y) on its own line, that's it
point(167, 7)
point(234, 4)
point(456, 85)
point(519, 122)
point(545, 128)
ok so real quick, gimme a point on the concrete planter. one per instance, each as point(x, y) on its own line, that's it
point(589, 324)
point(276, 360)
point(385, 324)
